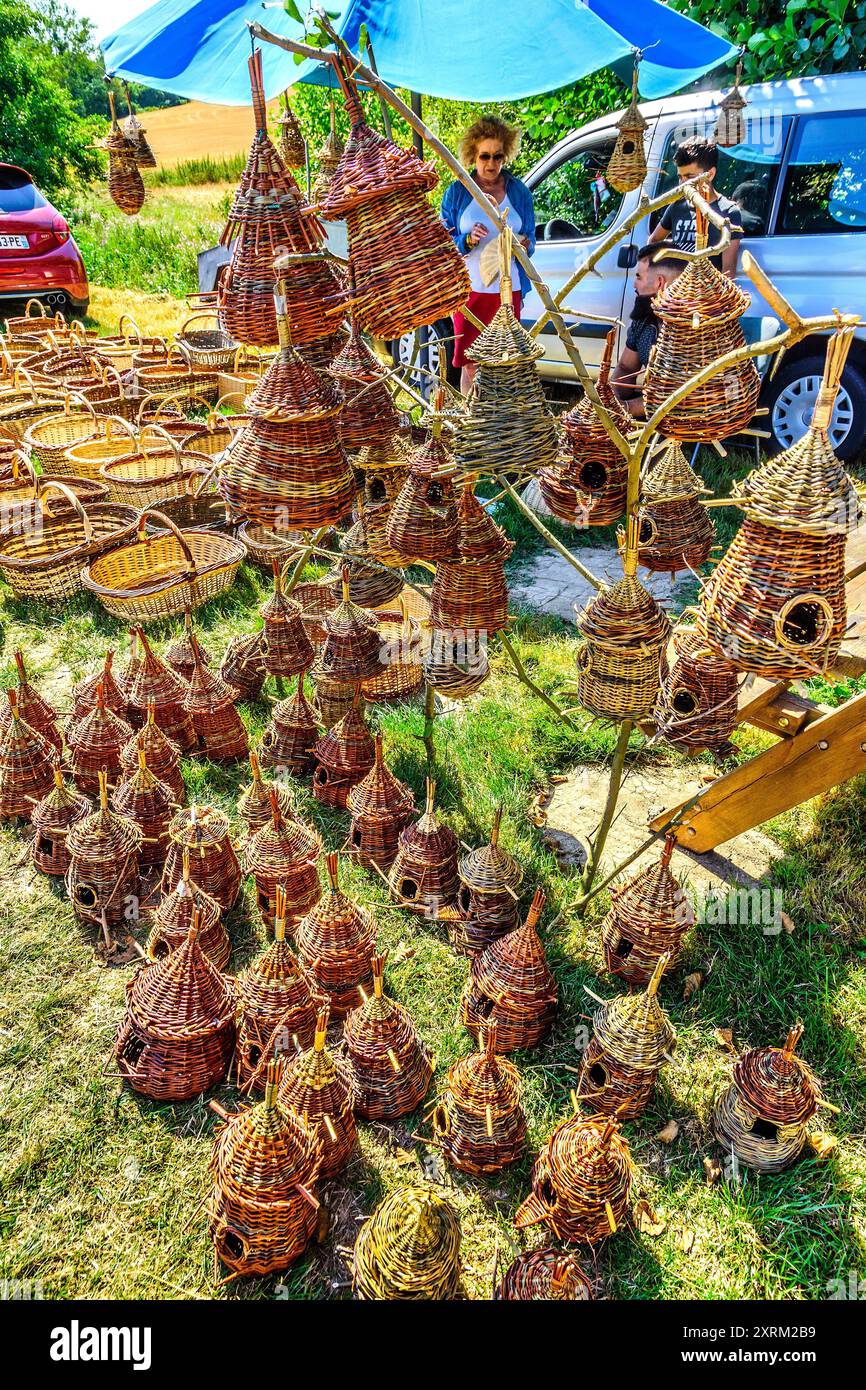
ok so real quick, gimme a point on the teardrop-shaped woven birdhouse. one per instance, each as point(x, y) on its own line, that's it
point(544, 1276)
point(698, 698)
point(150, 804)
point(52, 819)
point(511, 984)
point(762, 1118)
point(318, 1086)
point(284, 854)
point(390, 1066)
point(344, 756)
point(409, 1248)
point(103, 849)
point(243, 666)
point(32, 708)
point(487, 899)
point(424, 873)
point(380, 806)
point(94, 746)
point(479, 1121)
point(286, 648)
point(731, 123)
point(632, 1037)
point(26, 765)
point(290, 736)
point(163, 756)
point(423, 520)
point(328, 157)
point(84, 693)
point(254, 800)
point(293, 146)
point(220, 733)
point(276, 1008)
point(623, 658)
point(626, 169)
point(155, 683)
point(369, 416)
point(581, 1181)
point(204, 831)
point(675, 532)
point(174, 917)
point(125, 185)
point(648, 918)
point(336, 942)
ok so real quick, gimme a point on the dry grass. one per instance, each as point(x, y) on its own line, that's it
point(198, 131)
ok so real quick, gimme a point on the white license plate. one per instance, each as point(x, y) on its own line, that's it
point(14, 243)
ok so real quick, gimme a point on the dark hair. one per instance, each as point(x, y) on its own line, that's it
point(698, 151)
point(658, 253)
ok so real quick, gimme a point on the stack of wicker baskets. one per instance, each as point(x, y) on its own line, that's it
point(284, 854)
point(511, 984)
point(676, 532)
point(409, 1248)
point(389, 1064)
point(471, 593)
point(318, 1086)
point(763, 1116)
point(26, 766)
point(204, 831)
point(276, 1009)
point(632, 1037)
point(103, 876)
point(344, 756)
point(380, 806)
point(581, 1181)
point(479, 1121)
point(489, 879)
point(648, 918)
point(544, 1276)
point(290, 736)
point(424, 872)
point(52, 818)
point(174, 917)
point(336, 942)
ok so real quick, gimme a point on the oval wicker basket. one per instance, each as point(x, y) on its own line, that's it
point(49, 436)
point(44, 562)
point(86, 457)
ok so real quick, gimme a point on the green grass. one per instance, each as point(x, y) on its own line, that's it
point(194, 172)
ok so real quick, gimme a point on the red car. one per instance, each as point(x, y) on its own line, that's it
point(38, 255)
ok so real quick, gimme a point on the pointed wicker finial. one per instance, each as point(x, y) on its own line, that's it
point(794, 1036)
point(321, 1033)
point(378, 964)
point(331, 865)
point(497, 821)
point(280, 913)
point(535, 907)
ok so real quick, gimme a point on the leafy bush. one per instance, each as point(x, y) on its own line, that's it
point(786, 38)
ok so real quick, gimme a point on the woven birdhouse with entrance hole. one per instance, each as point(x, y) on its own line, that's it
point(284, 854)
point(424, 872)
point(254, 800)
point(675, 531)
point(776, 602)
point(479, 1122)
point(409, 1248)
point(763, 1116)
point(174, 917)
point(510, 983)
point(632, 1038)
point(380, 472)
point(581, 1181)
point(369, 416)
point(328, 156)
point(730, 123)
point(53, 817)
point(471, 593)
point(544, 1276)
point(422, 524)
point(103, 875)
point(32, 708)
point(344, 756)
point(317, 1085)
point(150, 804)
point(697, 705)
point(290, 735)
point(293, 146)
point(390, 1067)
point(626, 169)
point(352, 643)
point(265, 1165)
point(336, 942)
point(26, 765)
point(380, 806)
point(163, 756)
point(286, 648)
point(648, 918)
point(487, 898)
point(204, 831)
point(95, 743)
point(155, 683)
point(276, 1008)
point(243, 666)
point(220, 733)
point(125, 185)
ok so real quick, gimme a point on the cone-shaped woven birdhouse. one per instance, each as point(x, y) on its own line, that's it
point(763, 1116)
point(424, 873)
point(370, 584)
point(511, 984)
point(676, 532)
point(698, 699)
point(220, 733)
point(352, 645)
point(700, 316)
point(178, 1035)
point(163, 756)
point(286, 648)
point(84, 693)
point(379, 188)
point(327, 158)
point(94, 746)
point(632, 1037)
point(136, 135)
point(254, 801)
point(284, 853)
point(266, 218)
point(204, 831)
point(265, 1166)
point(626, 169)
point(489, 879)
point(336, 942)
point(310, 294)
point(155, 683)
point(622, 660)
point(32, 708)
point(369, 416)
point(390, 1066)
point(174, 916)
point(318, 1086)
point(121, 681)
point(293, 146)
point(775, 604)
point(402, 674)
point(423, 520)
point(344, 756)
point(276, 1009)
point(648, 918)
point(409, 1248)
point(581, 1181)
point(479, 1121)
point(125, 186)
point(53, 818)
point(180, 656)
point(149, 803)
point(380, 806)
point(243, 666)
point(26, 765)
point(472, 592)
point(731, 124)
point(290, 736)
point(544, 1276)
point(381, 470)
point(103, 851)
point(589, 482)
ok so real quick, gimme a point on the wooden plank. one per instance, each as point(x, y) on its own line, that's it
point(773, 706)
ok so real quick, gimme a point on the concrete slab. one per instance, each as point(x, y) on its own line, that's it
point(549, 584)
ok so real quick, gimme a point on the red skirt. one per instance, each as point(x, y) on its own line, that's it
point(483, 306)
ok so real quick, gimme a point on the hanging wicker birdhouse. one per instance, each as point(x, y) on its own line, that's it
point(254, 800)
point(286, 648)
point(318, 1087)
point(423, 521)
point(220, 733)
point(125, 186)
point(336, 942)
point(581, 1181)
point(479, 1121)
point(84, 693)
point(136, 135)
point(149, 804)
point(489, 879)
point(102, 878)
point(163, 756)
point(424, 873)
point(293, 146)
point(626, 168)
point(276, 1008)
point(456, 663)
point(344, 756)
point(94, 746)
point(290, 736)
point(284, 854)
point(155, 683)
point(544, 1276)
point(623, 658)
point(32, 708)
point(380, 471)
point(648, 918)
point(380, 806)
point(675, 531)
point(370, 584)
point(776, 603)
point(369, 416)
point(763, 1116)
point(698, 699)
point(471, 593)
point(511, 984)
point(243, 666)
point(204, 831)
point(328, 157)
point(26, 766)
point(731, 124)
point(409, 1248)
point(632, 1037)
point(174, 917)
point(180, 656)
point(389, 1064)
point(52, 819)
point(310, 294)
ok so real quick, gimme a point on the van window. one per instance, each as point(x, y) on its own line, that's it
point(574, 199)
point(747, 173)
point(825, 184)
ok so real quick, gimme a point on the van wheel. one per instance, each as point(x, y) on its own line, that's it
point(403, 351)
point(790, 399)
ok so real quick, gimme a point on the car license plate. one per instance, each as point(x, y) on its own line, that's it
point(13, 243)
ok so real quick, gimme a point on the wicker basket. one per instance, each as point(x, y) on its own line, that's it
point(371, 584)
point(53, 817)
point(336, 942)
point(352, 650)
point(26, 766)
point(43, 562)
point(115, 438)
point(511, 984)
point(409, 1248)
point(204, 832)
point(26, 324)
point(762, 1118)
point(264, 546)
point(211, 348)
point(471, 593)
point(318, 1087)
point(152, 473)
point(581, 1182)
point(174, 917)
point(23, 400)
point(402, 676)
point(102, 879)
point(293, 146)
point(632, 1038)
point(84, 694)
point(283, 855)
point(390, 1067)
point(648, 918)
point(479, 1121)
point(162, 753)
point(456, 664)
point(181, 656)
point(50, 436)
point(276, 1009)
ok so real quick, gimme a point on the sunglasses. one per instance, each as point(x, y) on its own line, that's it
point(496, 158)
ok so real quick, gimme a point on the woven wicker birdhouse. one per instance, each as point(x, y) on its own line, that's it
point(122, 680)
point(84, 693)
point(390, 1066)
point(762, 1118)
point(32, 708)
point(174, 917)
point(402, 674)
point(254, 800)
point(276, 1008)
point(471, 593)
point(675, 532)
point(623, 658)
point(776, 604)
point(479, 1121)
point(284, 854)
point(243, 666)
point(409, 1248)
point(380, 806)
point(293, 146)
point(700, 316)
point(317, 600)
point(155, 683)
point(220, 733)
point(149, 804)
point(163, 756)
point(290, 736)
point(544, 1276)
point(487, 900)
point(511, 984)
point(94, 746)
point(310, 294)
point(352, 644)
point(318, 1086)
point(648, 918)
point(336, 942)
point(456, 663)
point(369, 416)
point(204, 831)
point(581, 1181)
point(265, 1166)
point(334, 698)
point(26, 765)
point(626, 169)
point(178, 1035)
point(286, 648)
point(632, 1037)
point(380, 472)
point(136, 135)
point(371, 584)
point(344, 756)
point(179, 654)
point(328, 157)
point(103, 850)
point(424, 873)
point(731, 124)
point(125, 186)
point(52, 819)
point(423, 520)
point(698, 699)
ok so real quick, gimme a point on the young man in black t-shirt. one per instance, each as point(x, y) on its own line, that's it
point(677, 222)
point(655, 270)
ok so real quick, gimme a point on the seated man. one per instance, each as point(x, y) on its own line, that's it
point(656, 267)
point(677, 222)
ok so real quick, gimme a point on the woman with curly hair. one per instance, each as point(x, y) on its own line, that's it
point(486, 149)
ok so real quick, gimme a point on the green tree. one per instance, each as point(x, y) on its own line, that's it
point(786, 38)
